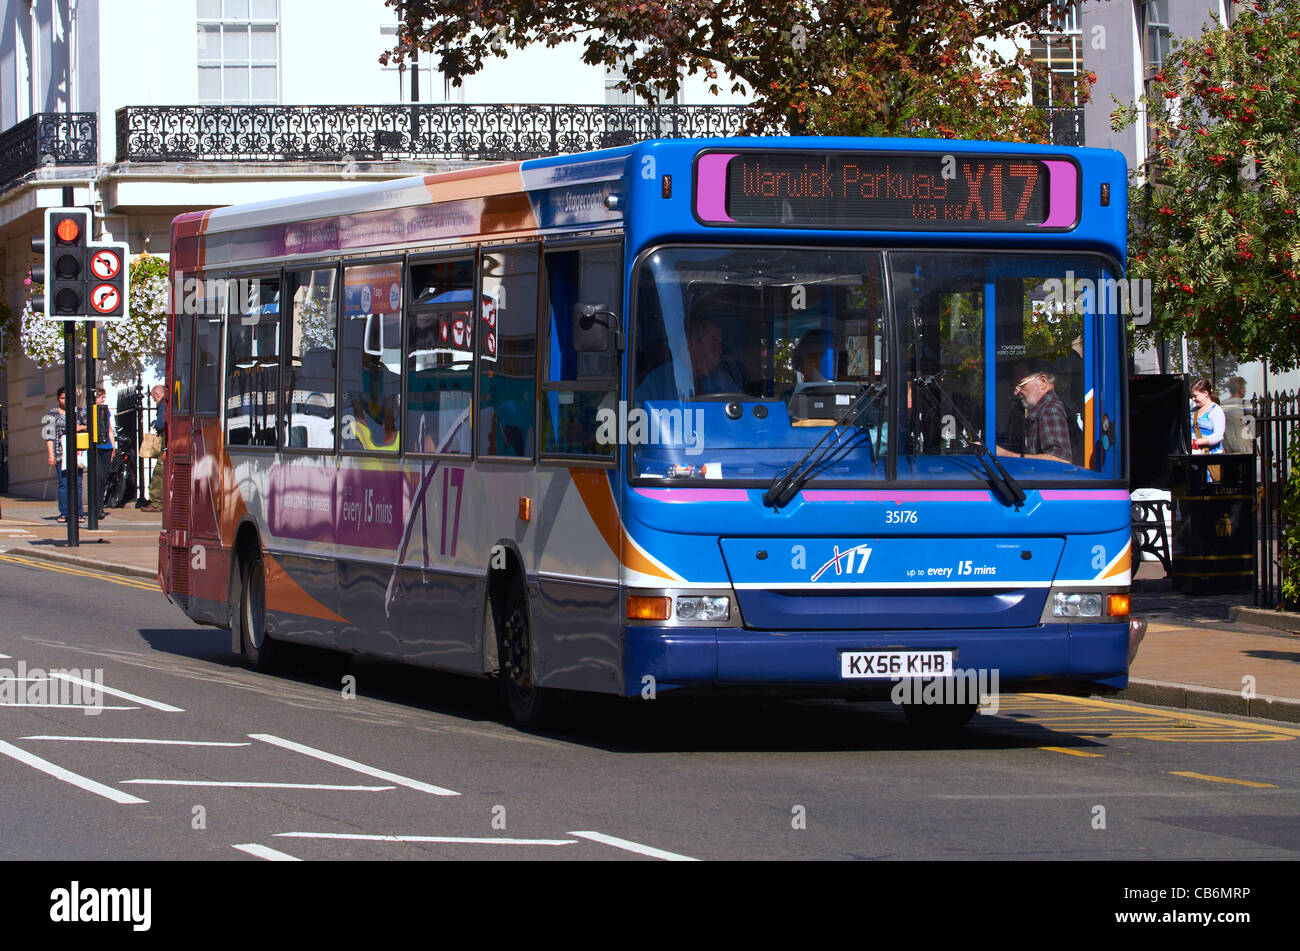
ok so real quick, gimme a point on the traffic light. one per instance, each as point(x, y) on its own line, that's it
point(107, 280)
point(67, 233)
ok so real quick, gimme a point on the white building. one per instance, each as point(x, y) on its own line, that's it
point(134, 106)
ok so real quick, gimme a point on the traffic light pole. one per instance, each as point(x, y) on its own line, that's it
point(70, 430)
point(92, 426)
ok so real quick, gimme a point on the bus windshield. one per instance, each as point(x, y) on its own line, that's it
point(745, 356)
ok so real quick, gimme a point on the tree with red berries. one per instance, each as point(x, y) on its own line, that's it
point(1214, 211)
point(858, 67)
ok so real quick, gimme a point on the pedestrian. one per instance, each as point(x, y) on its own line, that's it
point(1208, 421)
point(161, 414)
point(54, 428)
point(103, 449)
point(1234, 411)
point(1208, 425)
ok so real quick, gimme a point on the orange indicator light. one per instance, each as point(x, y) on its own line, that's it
point(648, 609)
point(1118, 605)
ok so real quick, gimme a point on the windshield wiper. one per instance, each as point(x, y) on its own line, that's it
point(791, 480)
point(999, 479)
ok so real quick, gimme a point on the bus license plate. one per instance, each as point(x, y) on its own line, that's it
point(860, 665)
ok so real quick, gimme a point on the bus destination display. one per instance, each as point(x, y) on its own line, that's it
point(875, 191)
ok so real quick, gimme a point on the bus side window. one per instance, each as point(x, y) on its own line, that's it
point(253, 365)
point(579, 385)
point(370, 368)
point(181, 364)
point(207, 373)
point(309, 366)
point(439, 356)
point(508, 353)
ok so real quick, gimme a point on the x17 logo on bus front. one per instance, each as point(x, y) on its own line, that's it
point(847, 558)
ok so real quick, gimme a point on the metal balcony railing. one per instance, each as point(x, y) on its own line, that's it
point(411, 132)
point(48, 138)
point(1066, 125)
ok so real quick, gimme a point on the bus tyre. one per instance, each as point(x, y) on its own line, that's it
point(531, 706)
point(939, 717)
point(260, 651)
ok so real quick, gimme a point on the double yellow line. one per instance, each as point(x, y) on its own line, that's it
point(76, 570)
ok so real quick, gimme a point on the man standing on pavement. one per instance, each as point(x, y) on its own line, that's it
point(54, 427)
point(103, 449)
point(159, 395)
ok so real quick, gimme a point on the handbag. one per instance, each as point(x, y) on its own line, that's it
point(151, 445)
point(82, 461)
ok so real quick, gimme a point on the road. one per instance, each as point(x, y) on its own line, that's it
point(193, 756)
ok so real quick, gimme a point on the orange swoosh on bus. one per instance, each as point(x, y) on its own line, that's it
point(503, 179)
point(285, 594)
point(1121, 564)
point(593, 487)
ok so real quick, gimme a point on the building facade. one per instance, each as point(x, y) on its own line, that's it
point(144, 109)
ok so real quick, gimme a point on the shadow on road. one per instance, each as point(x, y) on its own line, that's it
point(666, 724)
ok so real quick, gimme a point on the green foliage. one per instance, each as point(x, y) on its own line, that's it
point(1214, 226)
point(1289, 555)
point(853, 67)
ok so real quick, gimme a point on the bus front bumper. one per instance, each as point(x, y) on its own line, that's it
point(1073, 657)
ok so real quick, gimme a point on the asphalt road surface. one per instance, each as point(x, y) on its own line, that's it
point(193, 756)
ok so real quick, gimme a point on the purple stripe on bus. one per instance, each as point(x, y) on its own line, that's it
point(1084, 495)
point(852, 495)
point(1063, 197)
point(711, 186)
point(695, 495)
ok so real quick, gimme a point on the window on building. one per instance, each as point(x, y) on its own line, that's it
point(239, 52)
point(1059, 53)
point(1157, 38)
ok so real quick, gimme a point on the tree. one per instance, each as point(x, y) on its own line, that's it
point(860, 67)
point(1213, 222)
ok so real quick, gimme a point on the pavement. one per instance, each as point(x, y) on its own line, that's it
point(1212, 652)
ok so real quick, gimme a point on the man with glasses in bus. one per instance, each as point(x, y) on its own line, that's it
point(1047, 421)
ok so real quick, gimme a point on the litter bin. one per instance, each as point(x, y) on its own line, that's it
point(1214, 522)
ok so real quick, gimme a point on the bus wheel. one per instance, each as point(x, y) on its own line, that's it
point(939, 717)
point(259, 649)
point(531, 706)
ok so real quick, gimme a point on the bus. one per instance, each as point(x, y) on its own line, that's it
point(793, 416)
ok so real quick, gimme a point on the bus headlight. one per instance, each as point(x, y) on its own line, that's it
point(703, 608)
point(1076, 604)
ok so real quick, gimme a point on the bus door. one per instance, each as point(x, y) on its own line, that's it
point(177, 462)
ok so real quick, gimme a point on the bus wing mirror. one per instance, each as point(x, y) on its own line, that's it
point(592, 326)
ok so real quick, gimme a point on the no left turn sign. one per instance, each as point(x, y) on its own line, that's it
point(105, 264)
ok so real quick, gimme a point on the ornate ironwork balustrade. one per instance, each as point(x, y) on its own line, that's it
point(48, 138)
point(1065, 125)
point(412, 131)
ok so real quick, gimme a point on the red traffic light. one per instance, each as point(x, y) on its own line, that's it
point(67, 230)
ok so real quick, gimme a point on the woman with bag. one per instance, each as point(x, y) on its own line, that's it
point(1208, 424)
